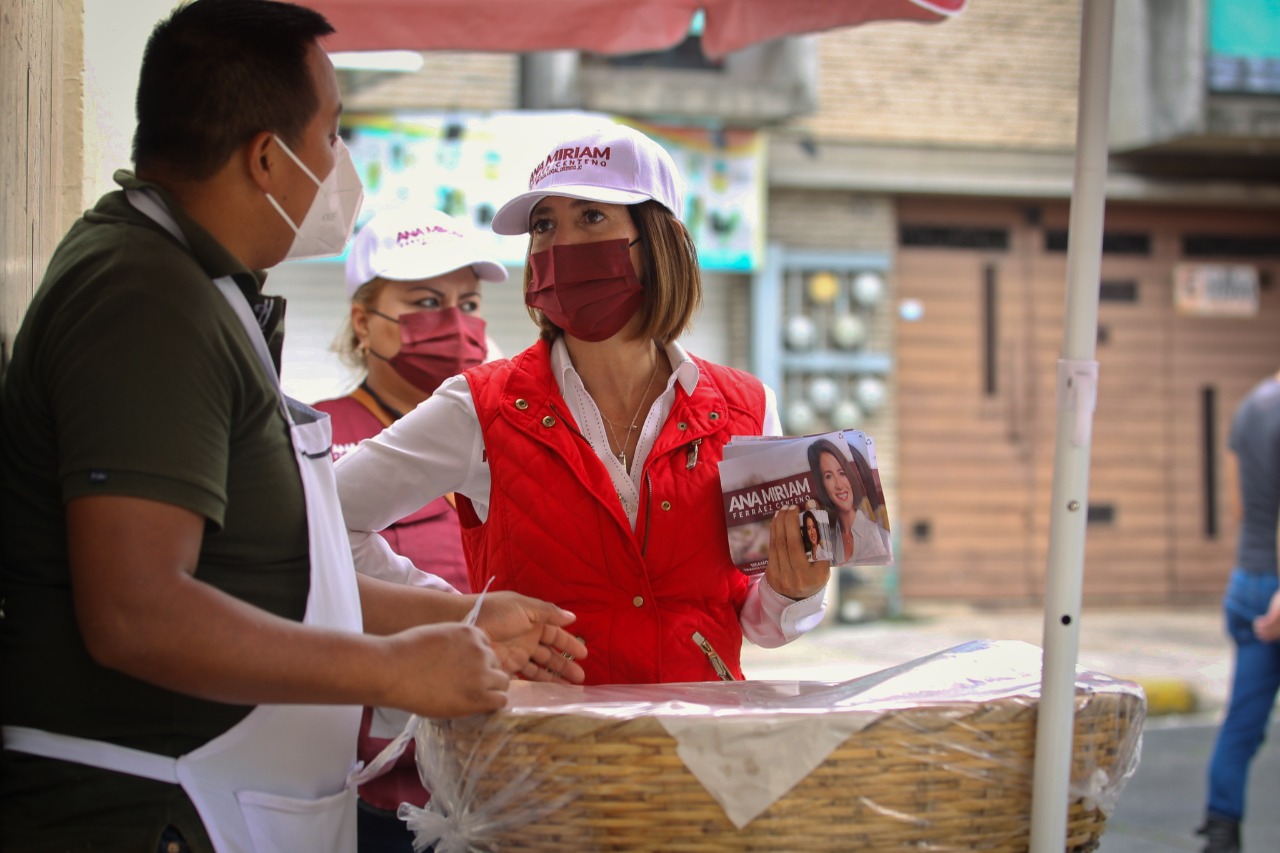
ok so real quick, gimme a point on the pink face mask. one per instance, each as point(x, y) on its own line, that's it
point(588, 289)
point(435, 345)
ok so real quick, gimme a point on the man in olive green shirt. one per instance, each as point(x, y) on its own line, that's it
point(153, 527)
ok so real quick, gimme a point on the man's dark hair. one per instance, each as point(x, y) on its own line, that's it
point(215, 73)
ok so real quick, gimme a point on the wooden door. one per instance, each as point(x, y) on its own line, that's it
point(977, 382)
point(967, 426)
point(1213, 363)
point(1127, 546)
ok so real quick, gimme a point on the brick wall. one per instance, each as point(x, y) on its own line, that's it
point(847, 222)
point(1001, 74)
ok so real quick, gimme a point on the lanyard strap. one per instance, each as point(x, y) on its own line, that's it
point(375, 406)
point(235, 298)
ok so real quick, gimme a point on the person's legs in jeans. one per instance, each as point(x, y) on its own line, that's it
point(1254, 685)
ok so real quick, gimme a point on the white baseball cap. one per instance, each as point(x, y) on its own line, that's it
point(615, 164)
point(407, 244)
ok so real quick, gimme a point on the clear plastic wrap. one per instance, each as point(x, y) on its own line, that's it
point(935, 754)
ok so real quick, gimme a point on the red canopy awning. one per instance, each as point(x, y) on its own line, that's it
point(600, 26)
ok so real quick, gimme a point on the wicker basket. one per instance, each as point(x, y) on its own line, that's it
point(937, 777)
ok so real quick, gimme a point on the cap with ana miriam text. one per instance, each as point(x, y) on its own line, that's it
point(412, 244)
point(614, 164)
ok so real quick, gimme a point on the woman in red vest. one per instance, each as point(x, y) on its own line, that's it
point(414, 277)
point(586, 466)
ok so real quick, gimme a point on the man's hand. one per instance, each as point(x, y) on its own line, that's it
point(789, 572)
point(445, 670)
point(1267, 626)
point(529, 638)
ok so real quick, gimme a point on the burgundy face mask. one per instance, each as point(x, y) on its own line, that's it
point(588, 289)
point(435, 345)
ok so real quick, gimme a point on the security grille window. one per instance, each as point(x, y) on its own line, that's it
point(953, 237)
point(1231, 245)
point(1118, 291)
point(1133, 243)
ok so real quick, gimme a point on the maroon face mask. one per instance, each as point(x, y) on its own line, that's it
point(435, 345)
point(588, 289)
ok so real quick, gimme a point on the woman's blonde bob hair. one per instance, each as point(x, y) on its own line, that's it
point(672, 279)
point(347, 344)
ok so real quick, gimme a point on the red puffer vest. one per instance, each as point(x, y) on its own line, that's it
point(557, 531)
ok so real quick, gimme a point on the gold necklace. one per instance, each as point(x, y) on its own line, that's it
point(622, 453)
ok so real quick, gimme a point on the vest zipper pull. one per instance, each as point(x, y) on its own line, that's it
point(692, 458)
point(716, 662)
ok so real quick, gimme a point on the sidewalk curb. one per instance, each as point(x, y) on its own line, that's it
point(1167, 695)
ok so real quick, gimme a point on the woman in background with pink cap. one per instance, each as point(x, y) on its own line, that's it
point(414, 277)
point(586, 466)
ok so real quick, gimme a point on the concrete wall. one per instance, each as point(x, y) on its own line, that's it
point(115, 35)
point(68, 73)
point(1151, 108)
point(448, 80)
point(40, 98)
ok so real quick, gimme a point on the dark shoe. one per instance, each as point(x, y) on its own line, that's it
point(1221, 835)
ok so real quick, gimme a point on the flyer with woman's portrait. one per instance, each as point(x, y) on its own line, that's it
point(830, 477)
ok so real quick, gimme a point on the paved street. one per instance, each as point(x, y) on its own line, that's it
point(1162, 803)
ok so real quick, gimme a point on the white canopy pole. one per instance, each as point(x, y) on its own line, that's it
point(1077, 386)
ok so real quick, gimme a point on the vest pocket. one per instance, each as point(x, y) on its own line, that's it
point(279, 824)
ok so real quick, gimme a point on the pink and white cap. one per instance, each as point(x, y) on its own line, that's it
point(614, 164)
point(407, 244)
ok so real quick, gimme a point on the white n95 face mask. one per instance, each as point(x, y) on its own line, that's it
point(328, 223)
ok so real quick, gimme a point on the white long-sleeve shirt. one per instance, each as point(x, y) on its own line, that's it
point(438, 448)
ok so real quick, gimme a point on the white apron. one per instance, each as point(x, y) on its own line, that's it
point(277, 781)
